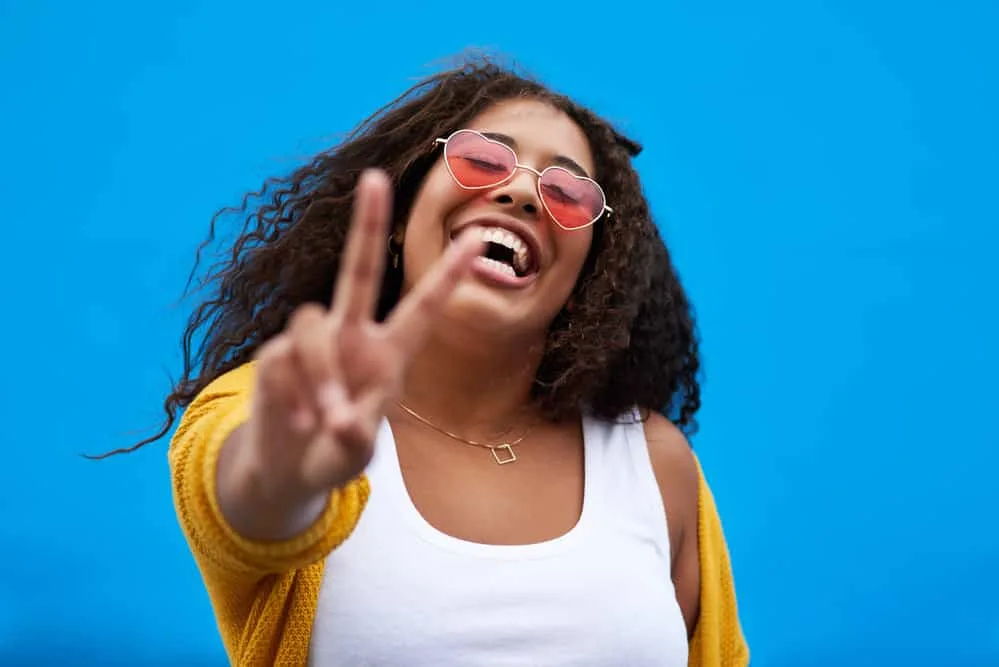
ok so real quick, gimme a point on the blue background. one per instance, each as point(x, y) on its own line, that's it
point(825, 173)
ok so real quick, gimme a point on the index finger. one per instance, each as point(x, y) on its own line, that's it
point(359, 280)
point(413, 317)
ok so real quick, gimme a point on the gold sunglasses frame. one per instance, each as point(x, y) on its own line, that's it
point(517, 164)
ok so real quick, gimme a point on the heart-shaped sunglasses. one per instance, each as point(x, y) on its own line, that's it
point(477, 162)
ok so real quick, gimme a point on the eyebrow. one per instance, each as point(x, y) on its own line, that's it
point(559, 160)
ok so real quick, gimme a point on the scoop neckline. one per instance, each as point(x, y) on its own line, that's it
point(438, 538)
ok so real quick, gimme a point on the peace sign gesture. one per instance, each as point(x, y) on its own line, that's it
point(323, 384)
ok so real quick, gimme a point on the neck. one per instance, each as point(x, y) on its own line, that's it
point(473, 387)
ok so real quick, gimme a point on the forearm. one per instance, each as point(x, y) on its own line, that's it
point(251, 503)
point(226, 540)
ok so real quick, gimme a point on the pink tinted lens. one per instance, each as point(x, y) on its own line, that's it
point(572, 201)
point(477, 162)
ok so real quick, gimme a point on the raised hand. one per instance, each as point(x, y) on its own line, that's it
point(322, 385)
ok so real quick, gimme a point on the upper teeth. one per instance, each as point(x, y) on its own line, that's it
point(511, 241)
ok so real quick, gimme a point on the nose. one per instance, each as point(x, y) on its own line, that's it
point(520, 193)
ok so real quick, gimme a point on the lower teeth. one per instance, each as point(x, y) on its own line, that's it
point(497, 265)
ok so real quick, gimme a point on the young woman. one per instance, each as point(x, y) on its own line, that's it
point(437, 413)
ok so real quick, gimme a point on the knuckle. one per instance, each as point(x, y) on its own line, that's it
point(311, 333)
point(272, 351)
point(273, 373)
point(305, 316)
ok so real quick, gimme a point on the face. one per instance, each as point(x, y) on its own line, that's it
point(531, 264)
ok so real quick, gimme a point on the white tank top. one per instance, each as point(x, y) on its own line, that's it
point(400, 592)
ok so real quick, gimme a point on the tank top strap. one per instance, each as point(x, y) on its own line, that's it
point(625, 486)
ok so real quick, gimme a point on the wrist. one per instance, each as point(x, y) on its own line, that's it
point(260, 502)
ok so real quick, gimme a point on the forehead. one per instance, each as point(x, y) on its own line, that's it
point(541, 131)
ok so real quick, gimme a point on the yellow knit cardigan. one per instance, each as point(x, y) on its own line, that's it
point(264, 594)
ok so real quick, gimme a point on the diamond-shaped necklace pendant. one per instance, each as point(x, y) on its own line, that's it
point(508, 455)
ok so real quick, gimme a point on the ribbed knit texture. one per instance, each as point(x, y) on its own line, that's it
point(718, 640)
point(264, 594)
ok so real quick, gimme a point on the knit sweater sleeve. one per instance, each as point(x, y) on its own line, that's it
point(718, 640)
point(232, 566)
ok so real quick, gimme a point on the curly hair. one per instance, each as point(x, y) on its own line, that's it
point(627, 339)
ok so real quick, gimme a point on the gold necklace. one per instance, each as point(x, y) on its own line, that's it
point(508, 455)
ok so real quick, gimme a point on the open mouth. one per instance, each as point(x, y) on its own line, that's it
point(510, 253)
point(506, 252)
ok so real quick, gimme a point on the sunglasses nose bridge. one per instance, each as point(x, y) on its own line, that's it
point(536, 180)
point(533, 176)
point(526, 167)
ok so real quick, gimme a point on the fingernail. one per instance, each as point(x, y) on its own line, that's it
point(372, 175)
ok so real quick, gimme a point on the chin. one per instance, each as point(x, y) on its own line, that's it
point(475, 306)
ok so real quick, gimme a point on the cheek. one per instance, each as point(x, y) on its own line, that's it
point(573, 248)
point(424, 201)
point(437, 187)
point(426, 221)
point(434, 202)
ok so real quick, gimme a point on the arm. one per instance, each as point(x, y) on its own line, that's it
point(702, 572)
point(234, 567)
point(246, 502)
point(676, 473)
point(262, 505)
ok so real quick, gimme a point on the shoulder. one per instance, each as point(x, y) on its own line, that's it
point(234, 383)
point(672, 457)
point(678, 477)
point(225, 398)
point(676, 473)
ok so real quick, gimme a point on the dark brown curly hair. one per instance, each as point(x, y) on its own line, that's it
point(629, 340)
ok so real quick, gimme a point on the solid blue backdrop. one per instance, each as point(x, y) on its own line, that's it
point(825, 173)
